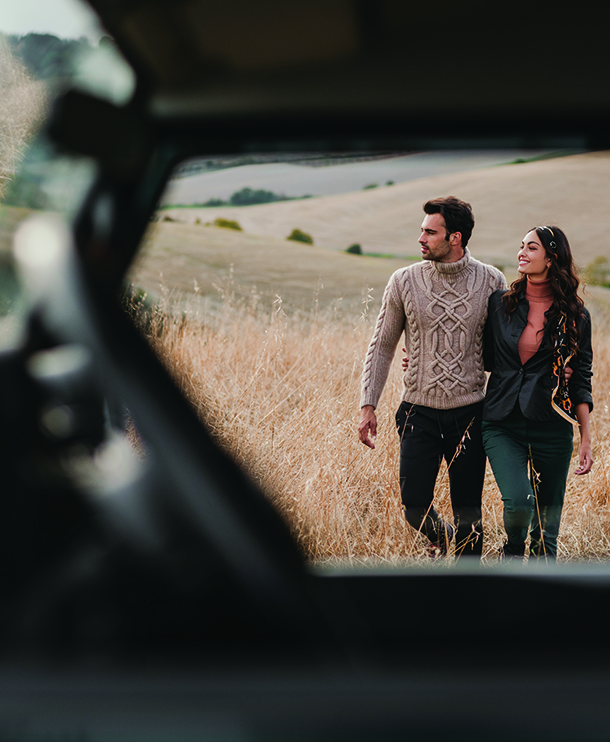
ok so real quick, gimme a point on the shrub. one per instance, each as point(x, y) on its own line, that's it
point(227, 224)
point(299, 236)
point(354, 249)
point(370, 185)
point(248, 197)
point(389, 182)
point(596, 273)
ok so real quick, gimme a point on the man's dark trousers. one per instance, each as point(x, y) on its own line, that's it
point(428, 435)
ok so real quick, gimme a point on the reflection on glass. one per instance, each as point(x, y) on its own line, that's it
point(34, 68)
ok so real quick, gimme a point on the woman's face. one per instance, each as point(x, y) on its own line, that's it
point(532, 258)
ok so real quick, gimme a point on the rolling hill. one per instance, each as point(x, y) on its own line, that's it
point(570, 191)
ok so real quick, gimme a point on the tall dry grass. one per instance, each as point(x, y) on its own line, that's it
point(23, 103)
point(280, 392)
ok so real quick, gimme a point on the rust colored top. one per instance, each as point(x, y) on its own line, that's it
point(540, 298)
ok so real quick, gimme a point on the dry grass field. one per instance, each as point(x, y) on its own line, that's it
point(22, 106)
point(280, 393)
point(267, 337)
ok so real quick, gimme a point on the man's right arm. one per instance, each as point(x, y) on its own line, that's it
point(389, 327)
point(367, 426)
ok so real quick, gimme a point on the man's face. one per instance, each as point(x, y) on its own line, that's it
point(434, 245)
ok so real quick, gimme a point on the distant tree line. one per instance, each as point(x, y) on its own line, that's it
point(49, 58)
point(249, 197)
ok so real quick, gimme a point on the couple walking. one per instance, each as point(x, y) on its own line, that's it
point(459, 319)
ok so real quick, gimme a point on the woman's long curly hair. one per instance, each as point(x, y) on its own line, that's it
point(564, 283)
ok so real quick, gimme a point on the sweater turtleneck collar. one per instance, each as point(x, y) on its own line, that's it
point(538, 289)
point(456, 267)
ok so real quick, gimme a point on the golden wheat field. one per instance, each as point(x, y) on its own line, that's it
point(280, 392)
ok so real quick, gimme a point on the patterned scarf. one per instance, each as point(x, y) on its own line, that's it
point(560, 399)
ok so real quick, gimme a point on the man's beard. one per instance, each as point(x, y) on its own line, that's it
point(438, 255)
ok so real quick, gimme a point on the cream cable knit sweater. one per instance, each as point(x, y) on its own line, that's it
point(441, 308)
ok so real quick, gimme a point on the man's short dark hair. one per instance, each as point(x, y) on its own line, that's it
point(457, 214)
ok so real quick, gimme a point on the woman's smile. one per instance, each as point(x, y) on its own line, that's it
point(532, 259)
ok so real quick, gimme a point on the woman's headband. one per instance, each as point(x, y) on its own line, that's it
point(552, 243)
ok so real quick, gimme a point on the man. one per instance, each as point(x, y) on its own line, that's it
point(441, 305)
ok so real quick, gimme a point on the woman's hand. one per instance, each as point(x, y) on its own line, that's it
point(405, 361)
point(585, 458)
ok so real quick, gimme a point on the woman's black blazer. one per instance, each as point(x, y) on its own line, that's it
point(531, 383)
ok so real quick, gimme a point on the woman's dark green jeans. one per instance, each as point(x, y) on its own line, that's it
point(530, 461)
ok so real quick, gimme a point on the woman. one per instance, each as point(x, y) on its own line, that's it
point(533, 329)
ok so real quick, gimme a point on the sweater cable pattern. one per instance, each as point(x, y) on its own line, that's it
point(441, 308)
